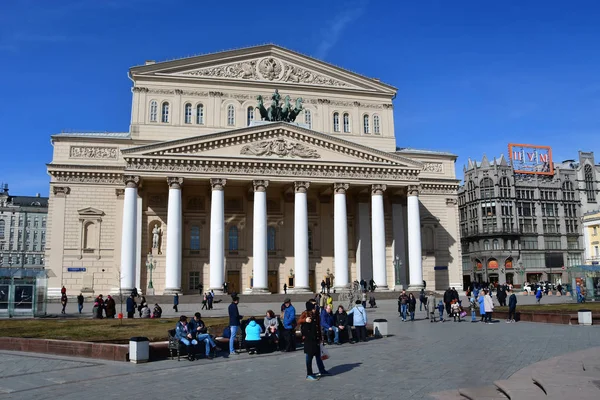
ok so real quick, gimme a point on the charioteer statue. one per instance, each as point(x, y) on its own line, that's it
point(277, 112)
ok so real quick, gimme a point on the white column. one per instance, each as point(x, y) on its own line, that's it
point(378, 236)
point(340, 234)
point(259, 238)
point(128, 236)
point(217, 237)
point(399, 247)
point(301, 238)
point(364, 259)
point(415, 266)
point(174, 239)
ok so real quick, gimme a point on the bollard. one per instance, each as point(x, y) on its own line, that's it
point(380, 327)
point(139, 350)
point(584, 317)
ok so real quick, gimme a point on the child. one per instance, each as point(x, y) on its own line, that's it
point(473, 307)
point(455, 307)
point(441, 310)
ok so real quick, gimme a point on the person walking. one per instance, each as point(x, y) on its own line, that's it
point(64, 300)
point(234, 323)
point(538, 295)
point(403, 305)
point(422, 300)
point(412, 306)
point(441, 310)
point(204, 302)
point(175, 302)
point(323, 286)
point(289, 326)
point(488, 306)
point(311, 333)
point(473, 307)
point(111, 307)
point(130, 306)
point(285, 288)
point(210, 298)
point(512, 307)
point(431, 307)
point(448, 295)
point(360, 321)
point(80, 300)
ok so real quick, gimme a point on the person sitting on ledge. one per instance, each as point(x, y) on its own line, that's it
point(272, 329)
point(200, 331)
point(253, 332)
point(185, 336)
point(145, 311)
point(157, 312)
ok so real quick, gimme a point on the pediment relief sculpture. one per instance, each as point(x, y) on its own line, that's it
point(269, 69)
point(279, 147)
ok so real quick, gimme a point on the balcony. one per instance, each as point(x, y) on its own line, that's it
point(490, 232)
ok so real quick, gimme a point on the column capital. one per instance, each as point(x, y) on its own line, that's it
point(413, 190)
point(218, 183)
point(340, 188)
point(378, 189)
point(260, 185)
point(301, 186)
point(131, 181)
point(174, 182)
point(119, 193)
point(61, 191)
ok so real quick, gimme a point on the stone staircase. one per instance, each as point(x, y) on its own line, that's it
point(570, 376)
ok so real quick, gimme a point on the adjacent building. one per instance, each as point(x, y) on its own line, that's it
point(519, 226)
point(258, 167)
point(591, 234)
point(22, 229)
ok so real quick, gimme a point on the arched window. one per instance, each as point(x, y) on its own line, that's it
point(376, 129)
point(188, 113)
point(2, 228)
point(486, 244)
point(195, 238)
point(271, 236)
point(230, 115)
point(495, 244)
point(165, 113)
point(366, 124)
point(233, 238)
point(200, 114)
point(589, 184)
point(308, 118)
point(336, 122)
point(250, 115)
point(153, 111)
point(486, 188)
point(346, 123)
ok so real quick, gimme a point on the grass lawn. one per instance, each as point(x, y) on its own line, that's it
point(98, 330)
point(570, 308)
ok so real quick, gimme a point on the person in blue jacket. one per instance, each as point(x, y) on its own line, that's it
point(538, 294)
point(130, 306)
point(360, 321)
point(253, 340)
point(289, 325)
point(481, 300)
point(184, 334)
point(328, 325)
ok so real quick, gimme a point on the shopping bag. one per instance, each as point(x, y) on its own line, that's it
point(463, 314)
point(324, 353)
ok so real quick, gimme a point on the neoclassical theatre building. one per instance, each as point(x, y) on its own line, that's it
point(257, 167)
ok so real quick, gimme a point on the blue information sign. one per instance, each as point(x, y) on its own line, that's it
point(76, 269)
point(440, 268)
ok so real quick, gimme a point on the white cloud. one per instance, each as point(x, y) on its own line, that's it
point(331, 35)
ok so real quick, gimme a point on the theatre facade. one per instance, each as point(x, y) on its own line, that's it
point(257, 167)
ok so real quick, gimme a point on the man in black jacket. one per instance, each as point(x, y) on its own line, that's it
point(234, 323)
point(342, 323)
point(448, 300)
point(512, 307)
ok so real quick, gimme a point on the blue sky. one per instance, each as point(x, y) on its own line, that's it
point(472, 76)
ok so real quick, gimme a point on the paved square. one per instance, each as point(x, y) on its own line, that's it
point(420, 358)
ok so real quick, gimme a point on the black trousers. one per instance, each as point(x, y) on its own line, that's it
point(512, 313)
point(289, 336)
point(361, 333)
point(130, 314)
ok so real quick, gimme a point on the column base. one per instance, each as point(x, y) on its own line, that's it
point(218, 291)
point(382, 289)
point(172, 291)
point(398, 288)
point(298, 290)
point(415, 288)
point(115, 291)
point(150, 292)
point(54, 293)
point(257, 291)
point(341, 289)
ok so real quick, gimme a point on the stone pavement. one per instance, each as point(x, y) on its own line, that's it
point(419, 358)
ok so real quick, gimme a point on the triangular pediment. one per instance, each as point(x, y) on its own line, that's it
point(274, 142)
point(90, 212)
point(267, 64)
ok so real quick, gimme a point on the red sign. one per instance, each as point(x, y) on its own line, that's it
point(531, 159)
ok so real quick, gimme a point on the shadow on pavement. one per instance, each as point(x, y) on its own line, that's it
point(340, 369)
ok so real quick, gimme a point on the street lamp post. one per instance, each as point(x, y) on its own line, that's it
point(397, 267)
point(520, 269)
point(150, 265)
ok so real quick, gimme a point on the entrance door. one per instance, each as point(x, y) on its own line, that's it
point(509, 277)
point(494, 279)
point(273, 282)
point(233, 281)
point(312, 280)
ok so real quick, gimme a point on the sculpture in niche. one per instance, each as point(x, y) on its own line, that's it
point(156, 238)
point(279, 147)
point(278, 112)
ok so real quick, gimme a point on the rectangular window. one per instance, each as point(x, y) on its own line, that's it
point(573, 259)
point(529, 243)
point(194, 280)
point(595, 230)
point(195, 238)
point(12, 221)
point(44, 222)
point(552, 243)
point(533, 260)
point(573, 243)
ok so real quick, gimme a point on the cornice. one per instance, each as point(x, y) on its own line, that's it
point(107, 178)
point(438, 188)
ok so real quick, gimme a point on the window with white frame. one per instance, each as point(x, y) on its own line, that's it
point(346, 123)
point(366, 124)
point(230, 115)
point(2, 228)
point(336, 122)
point(153, 111)
point(165, 113)
point(376, 128)
point(188, 113)
point(308, 118)
point(250, 115)
point(195, 238)
point(200, 114)
point(486, 244)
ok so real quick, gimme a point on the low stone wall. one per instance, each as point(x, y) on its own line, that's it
point(548, 318)
point(103, 351)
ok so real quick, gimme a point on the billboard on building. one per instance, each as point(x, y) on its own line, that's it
point(531, 159)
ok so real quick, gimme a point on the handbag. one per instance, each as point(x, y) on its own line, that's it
point(324, 353)
point(463, 314)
